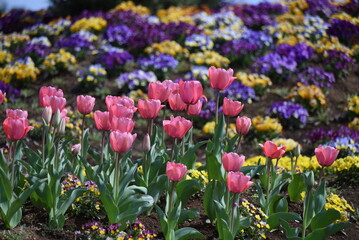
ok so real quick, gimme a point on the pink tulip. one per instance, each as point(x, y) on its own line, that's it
point(149, 108)
point(157, 90)
point(232, 161)
point(177, 127)
point(2, 96)
point(121, 142)
point(231, 108)
point(191, 91)
point(194, 109)
point(237, 182)
point(102, 120)
point(118, 110)
point(326, 156)
point(17, 113)
point(220, 78)
point(75, 149)
point(122, 124)
point(56, 103)
point(63, 114)
point(176, 103)
point(243, 124)
point(16, 128)
point(175, 171)
point(85, 104)
point(172, 86)
point(49, 91)
point(124, 101)
point(271, 150)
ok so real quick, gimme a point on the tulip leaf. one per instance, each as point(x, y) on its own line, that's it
point(320, 196)
point(290, 233)
point(188, 233)
point(274, 219)
point(219, 134)
point(324, 218)
point(189, 157)
point(185, 189)
point(296, 187)
point(187, 214)
point(324, 233)
point(214, 167)
point(157, 188)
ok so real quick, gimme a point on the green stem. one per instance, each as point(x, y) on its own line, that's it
point(117, 173)
point(233, 209)
point(239, 143)
point(321, 176)
point(171, 197)
point(43, 146)
point(82, 136)
point(102, 145)
point(191, 136)
point(227, 126)
point(56, 155)
point(12, 152)
point(268, 171)
point(173, 147)
point(217, 107)
point(163, 129)
point(183, 146)
point(305, 209)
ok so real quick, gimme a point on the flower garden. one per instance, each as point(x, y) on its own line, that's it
point(240, 122)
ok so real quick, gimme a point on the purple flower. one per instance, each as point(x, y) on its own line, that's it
point(322, 8)
point(161, 61)
point(114, 59)
point(135, 79)
point(347, 32)
point(119, 34)
point(321, 135)
point(209, 110)
point(290, 114)
point(11, 92)
point(337, 62)
point(34, 50)
point(239, 91)
point(300, 52)
point(316, 76)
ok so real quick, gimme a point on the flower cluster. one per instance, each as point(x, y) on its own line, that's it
point(353, 104)
point(118, 34)
point(289, 143)
point(209, 58)
point(177, 14)
point(75, 43)
point(62, 60)
point(199, 42)
point(290, 114)
point(266, 127)
point(198, 73)
point(345, 31)
point(340, 204)
point(20, 70)
point(346, 145)
point(11, 92)
point(135, 79)
point(131, 6)
point(209, 127)
point(92, 75)
point(5, 58)
point(14, 40)
point(200, 175)
point(209, 110)
point(36, 51)
point(135, 231)
point(167, 47)
point(310, 96)
point(320, 135)
point(240, 91)
point(163, 62)
point(337, 62)
point(317, 77)
point(114, 58)
point(258, 82)
point(354, 124)
point(95, 24)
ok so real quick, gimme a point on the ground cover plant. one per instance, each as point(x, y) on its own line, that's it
point(256, 135)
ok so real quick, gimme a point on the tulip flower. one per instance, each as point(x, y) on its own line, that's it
point(326, 156)
point(177, 127)
point(232, 162)
point(122, 124)
point(102, 120)
point(49, 91)
point(243, 124)
point(149, 109)
point(16, 128)
point(271, 150)
point(119, 110)
point(85, 104)
point(2, 96)
point(158, 90)
point(231, 108)
point(176, 102)
point(172, 86)
point(194, 109)
point(75, 149)
point(237, 182)
point(121, 142)
point(17, 113)
point(219, 78)
point(190, 91)
point(175, 171)
point(124, 101)
point(55, 102)
point(47, 114)
point(146, 144)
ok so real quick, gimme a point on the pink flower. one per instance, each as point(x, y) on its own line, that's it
point(102, 120)
point(63, 114)
point(172, 86)
point(271, 150)
point(326, 156)
point(121, 142)
point(16, 128)
point(124, 101)
point(56, 103)
point(75, 149)
point(118, 110)
point(149, 108)
point(243, 124)
point(232, 161)
point(231, 108)
point(158, 90)
point(176, 103)
point(194, 109)
point(122, 124)
point(175, 171)
point(17, 113)
point(190, 91)
point(177, 127)
point(220, 78)
point(49, 91)
point(2, 96)
point(237, 182)
point(85, 104)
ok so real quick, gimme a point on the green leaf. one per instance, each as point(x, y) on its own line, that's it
point(324, 218)
point(274, 220)
point(320, 196)
point(296, 187)
point(66, 203)
point(219, 133)
point(187, 214)
point(185, 189)
point(163, 219)
point(281, 205)
point(189, 157)
point(213, 166)
point(251, 170)
point(323, 233)
point(290, 233)
point(188, 233)
point(5, 186)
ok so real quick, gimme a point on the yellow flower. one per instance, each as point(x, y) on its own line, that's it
point(209, 58)
point(177, 14)
point(89, 24)
point(353, 104)
point(354, 124)
point(167, 47)
point(208, 128)
point(264, 124)
point(253, 79)
point(289, 143)
point(130, 6)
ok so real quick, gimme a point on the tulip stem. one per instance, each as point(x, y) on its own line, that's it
point(12, 151)
point(268, 163)
point(233, 209)
point(173, 147)
point(191, 136)
point(102, 145)
point(163, 129)
point(117, 173)
point(183, 146)
point(321, 175)
point(82, 136)
point(43, 146)
point(227, 125)
point(171, 198)
point(217, 107)
point(239, 143)
point(56, 154)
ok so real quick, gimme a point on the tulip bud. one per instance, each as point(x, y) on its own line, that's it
point(146, 144)
point(62, 126)
point(309, 179)
point(57, 118)
point(296, 150)
point(47, 114)
point(75, 149)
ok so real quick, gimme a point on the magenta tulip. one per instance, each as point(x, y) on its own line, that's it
point(49, 91)
point(176, 102)
point(16, 113)
point(231, 108)
point(121, 142)
point(271, 150)
point(122, 124)
point(158, 90)
point(177, 127)
point(190, 91)
point(175, 171)
point(243, 124)
point(220, 78)
point(16, 128)
point(232, 161)
point(237, 182)
point(149, 109)
point(194, 109)
point(326, 156)
point(102, 120)
point(55, 102)
point(85, 104)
